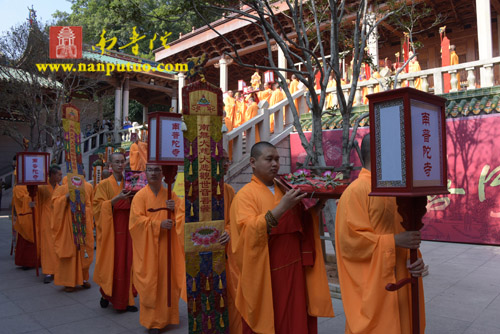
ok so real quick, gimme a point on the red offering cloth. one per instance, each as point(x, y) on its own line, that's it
point(25, 253)
point(291, 247)
point(123, 256)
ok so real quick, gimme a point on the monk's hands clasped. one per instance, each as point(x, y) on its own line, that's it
point(417, 268)
point(223, 239)
point(170, 205)
point(408, 239)
point(167, 224)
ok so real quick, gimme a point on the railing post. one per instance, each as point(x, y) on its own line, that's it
point(278, 119)
point(370, 89)
point(345, 91)
point(411, 82)
point(438, 81)
point(250, 138)
point(238, 147)
point(398, 84)
point(488, 72)
point(265, 133)
point(453, 81)
point(357, 96)
point(425, 83)
point(471, 78)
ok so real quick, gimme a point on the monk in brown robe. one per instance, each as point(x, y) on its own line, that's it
point(282, 283)
point(148, 230)
point(113, 267)
point(73, 263)
point(373, 250)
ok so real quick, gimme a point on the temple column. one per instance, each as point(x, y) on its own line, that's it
point(118, 111)
point(372, 42)
point(181, 77)
point(484, 36)
point(281, 61)
point(126, 93)
point(144, 114)
point(173, 105)
point(224, 79)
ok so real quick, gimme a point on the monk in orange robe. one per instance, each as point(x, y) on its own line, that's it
point(239, 110)
point(47, 251)
point(415, 67)
point(113, 266)
point(229, 108)
point(293, 87)
point(232, 271)
point(138, 155)
point(252, 111)
point(266, 93)
point(73, 264)
point(454, 61)
point(282, 282)
point(149, 240)
point(276, 97)
point(372, 250)
point(26, 256)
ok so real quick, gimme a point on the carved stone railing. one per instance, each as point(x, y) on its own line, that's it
point(435, 75)
point(283, 125)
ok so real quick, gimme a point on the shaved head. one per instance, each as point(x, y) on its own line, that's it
point(258, 148)
point(116, 154)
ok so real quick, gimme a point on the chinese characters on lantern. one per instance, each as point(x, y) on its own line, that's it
point(204, 170)
point(426, 138)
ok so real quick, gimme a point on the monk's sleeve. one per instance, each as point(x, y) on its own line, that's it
point(24, 221)
point(61, 224)
point(250, 249)
point(358, 240)
point(145, 234)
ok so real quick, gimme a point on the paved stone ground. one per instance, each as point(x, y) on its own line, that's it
point(462, 296)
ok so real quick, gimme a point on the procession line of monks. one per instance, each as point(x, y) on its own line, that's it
point(276, 276)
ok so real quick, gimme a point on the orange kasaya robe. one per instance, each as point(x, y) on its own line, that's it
point(454, 61)
point(330, 97)
point(265, 95)
point(368, 259)
point(150, 258)
point(138, 156)
point(73, 265)
point(414, 66)
point(251, 112)
point(113, 266)
point(232, 271)
point(47, 250)
point(282, 282)
point(294, 86)
point(26, 254)
point(376, 75)
point(276, 97)
point(240, 107)
point(229, 108)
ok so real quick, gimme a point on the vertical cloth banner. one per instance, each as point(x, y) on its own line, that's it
point(74, 167)
point(204, 198)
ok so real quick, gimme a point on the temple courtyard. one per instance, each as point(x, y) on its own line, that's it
point(462, 295)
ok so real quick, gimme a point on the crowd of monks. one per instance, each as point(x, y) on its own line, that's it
point(275, 273)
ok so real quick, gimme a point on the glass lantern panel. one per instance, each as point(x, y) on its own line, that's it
point(152, 141)
point(390, 144)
